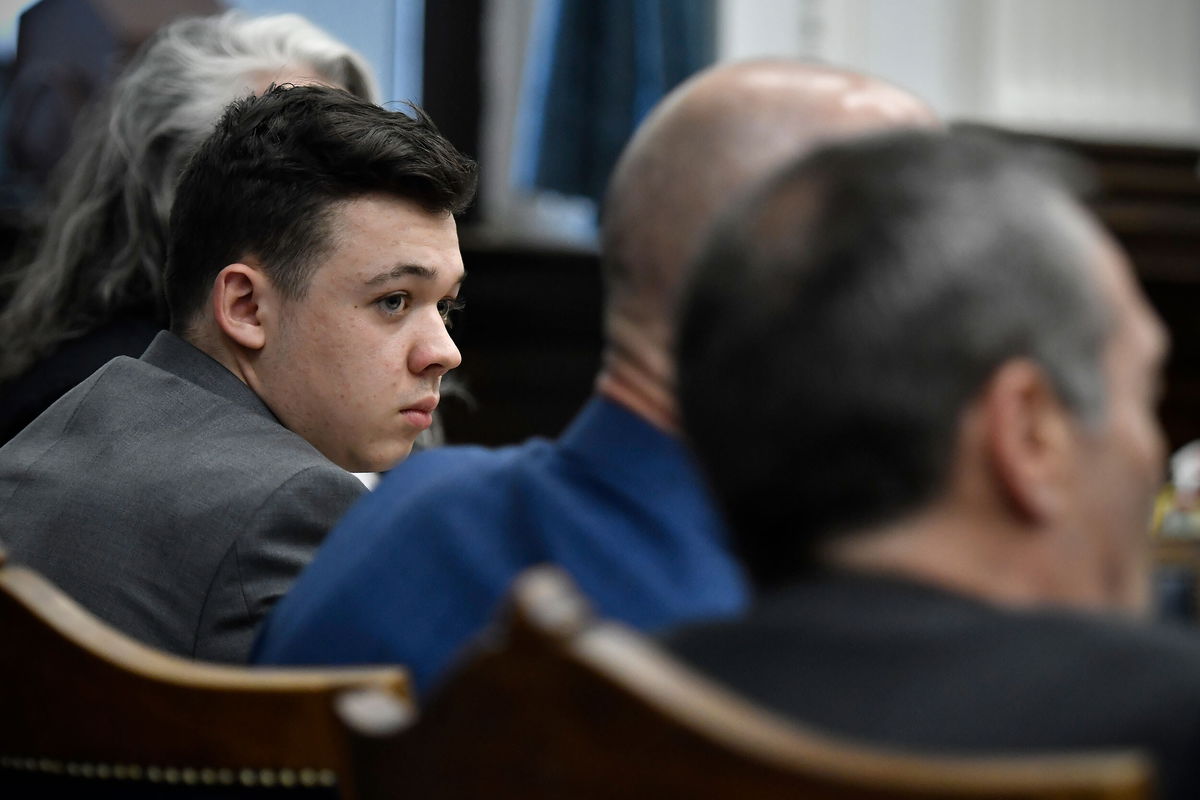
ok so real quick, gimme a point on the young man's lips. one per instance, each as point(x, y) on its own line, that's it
point(417, 418)
point(420, 415)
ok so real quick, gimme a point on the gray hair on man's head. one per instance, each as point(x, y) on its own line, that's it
point(851, 309)
point(103, 246)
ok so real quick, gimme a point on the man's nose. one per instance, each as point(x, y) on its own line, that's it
point(436, 353)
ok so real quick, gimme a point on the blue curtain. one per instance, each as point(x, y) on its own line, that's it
point(593, 70)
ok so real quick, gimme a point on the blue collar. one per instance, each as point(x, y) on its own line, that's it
point(611, 440)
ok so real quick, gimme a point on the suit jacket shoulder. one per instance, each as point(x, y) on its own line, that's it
point(164, 496)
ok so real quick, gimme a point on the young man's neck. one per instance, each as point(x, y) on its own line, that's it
point(211, 344)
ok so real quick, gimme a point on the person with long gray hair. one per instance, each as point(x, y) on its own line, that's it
point(91, 288)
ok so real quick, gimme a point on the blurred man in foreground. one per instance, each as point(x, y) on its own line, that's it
point(419, 566)
point(927, 406)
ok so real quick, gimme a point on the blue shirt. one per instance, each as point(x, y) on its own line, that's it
point(421, 564)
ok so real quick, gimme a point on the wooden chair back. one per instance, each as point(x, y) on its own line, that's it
point(79, 701)
point(554, 704)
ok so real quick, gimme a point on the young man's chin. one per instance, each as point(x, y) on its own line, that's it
point(382, 462)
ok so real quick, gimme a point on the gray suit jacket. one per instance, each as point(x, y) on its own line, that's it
point(164, 496)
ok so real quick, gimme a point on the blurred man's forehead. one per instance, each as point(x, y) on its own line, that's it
point(1137, 331)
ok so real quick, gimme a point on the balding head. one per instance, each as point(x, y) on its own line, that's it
point(702, 146)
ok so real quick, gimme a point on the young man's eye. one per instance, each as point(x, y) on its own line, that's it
point(448, 306)
point(393, 303)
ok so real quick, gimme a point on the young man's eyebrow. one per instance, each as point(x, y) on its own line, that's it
point(404, 271)
point(407, 270)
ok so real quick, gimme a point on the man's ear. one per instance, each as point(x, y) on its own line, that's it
point(238, 296)
point(1030, 440)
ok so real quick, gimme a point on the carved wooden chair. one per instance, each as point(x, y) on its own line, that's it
point(553, 703)
point(87, 709)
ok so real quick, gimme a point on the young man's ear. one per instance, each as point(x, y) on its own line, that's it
point(1030, 440)
point(238, 296)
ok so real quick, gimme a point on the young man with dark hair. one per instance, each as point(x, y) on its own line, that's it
point(313, 265)
point(943, 459)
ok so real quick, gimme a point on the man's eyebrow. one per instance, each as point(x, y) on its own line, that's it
point(405, 271)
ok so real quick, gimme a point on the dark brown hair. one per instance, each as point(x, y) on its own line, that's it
point(264, 182)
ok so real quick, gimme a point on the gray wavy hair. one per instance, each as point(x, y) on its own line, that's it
point(102, 248)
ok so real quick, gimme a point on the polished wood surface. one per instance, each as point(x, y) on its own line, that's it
point(553, 703)
point(77, 696)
